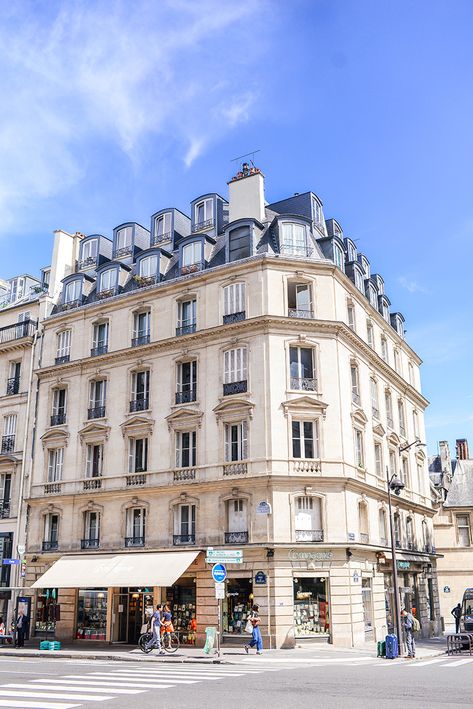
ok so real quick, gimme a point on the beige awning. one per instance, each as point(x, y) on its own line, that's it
point(128, 570)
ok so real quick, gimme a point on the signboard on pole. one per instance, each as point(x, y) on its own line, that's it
point(10, 562)
point(224, 556)
point(220, 591)
point(219, 573)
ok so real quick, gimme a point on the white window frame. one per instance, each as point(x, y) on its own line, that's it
point(191, 519)
point(207, 209)
point(192, 253)
point(96, 340)
point(294, 238)
point(192, 448)
point(370, 334)
point(9, 425)
point(301, 437)
point(234, 298)
point(64, 343)
point(89, 462)
point(132, 455)
point(48, 527)
point(136, 522)
point(145, 316)
point(355, 384)
point(241, 443)
point(124, 237)
point(74, 289)
point(338, 257)
point(359, 447)
point(351, 316)
point(108, 279)
point(148, 266)
point(98, 386)
point(235, 365)
point(165, 220)
point(463, 527)
point(374, 397)
point(91, 525)
point(55, 464)
point(378, 459)
point(89, 249)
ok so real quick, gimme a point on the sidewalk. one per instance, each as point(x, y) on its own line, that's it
point(230, 655)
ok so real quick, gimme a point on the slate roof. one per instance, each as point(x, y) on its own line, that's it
point(460, 493)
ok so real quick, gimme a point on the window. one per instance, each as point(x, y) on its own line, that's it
point(58, 416)
point(187, 317)
point(338, 257)
point(392, 462)
point(305, 443)
point(51, 532)
point(91, 529)
point(192, 254)
point(5, 494)
point(397, 530)
point(317, 212)
point(410, 533)
point(299, 300)
point(88, 253)
point(185, 449)
point(463, 530)
point(234, 302)
point(415, 423)
point(63, 351)
point(184, 524)
point(141, 328)
point(374, 398)
point(411, 374)
point(384, 349)
point(9, 432)
point(351, 316)
point(363, 522)
point(149, 267)
point(236, 436)
point(98, 393)
point(294, 239)
point(378, 459)
point(124, 238)
point(186, 382)
point(55, 463)
point(140, 391)
point(389, 409)
point(100, 339)
point(45, 277)
point(402, 418)
point(135, 526)
point(359, 448)
point(382, 527)
point(204, 214)
point(302, 368)
point(14, 375)
point(73, 291)
point(237, 522)
point(17, 289)
point(138, 455)
point(108, 280)
point(94, 460)
point(162, 226)
point(235, 370)
point(308, 519)
point(397, 361)
point(239, 243)
point(351, 251)
point(370, 334)
point(355, 384)
point(406, 476)
point(359, 281)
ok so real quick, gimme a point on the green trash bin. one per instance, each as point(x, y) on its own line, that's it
point(210, 635)
point(381, 648)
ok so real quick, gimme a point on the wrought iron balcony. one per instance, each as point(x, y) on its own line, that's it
point(411, 546)
point(397, 543)
point(17, 331)
point(58, 419)
point(134, 541)
point(186, 328)
point(298, 251)
point(107, 293)
point(90, 543)
point(96, 412)
point(159, 238)
point(140, 339)
point(181, 539)
point(4, 508)
point(63, 359)
point(234, 317)
point(298, 313)
point(235, 387)
point(85, 263)
point(143, 281)
point(13, 386)
point(135, 479)
point(235, 468)
point(8, 444)
point(191, 268)
point(71, 304)
point(236, 537)
point(139, 405)
point(94, 483)
point(99, 350)
point(184, 397)
point(304, 383)
point(309, 535)
point(50, 545)
point(206, 224)
point(364, 538)
point(123, 252)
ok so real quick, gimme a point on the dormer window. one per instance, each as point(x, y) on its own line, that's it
point(123, 241)
point(88, 253)
point(162, 227)
point(191, 257)
point(17, 289)
point(351, 251)
point(73, 291)
point(108, 282)
point(294, 239)
point(317, 213)
point(203, 214)
point(359, 280)
point(338, 257)
point(148, 267)
point(365, 264)
point(372, 295)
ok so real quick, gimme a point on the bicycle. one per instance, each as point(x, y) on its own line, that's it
point(169, 642)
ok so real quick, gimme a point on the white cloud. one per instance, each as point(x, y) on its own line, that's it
point(411, 285)
point(118, 72)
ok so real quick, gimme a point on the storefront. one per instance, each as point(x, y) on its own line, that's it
point(236, 605)
point(92, 614)
point(45, 613)
point(181, 599)
point(311, 608)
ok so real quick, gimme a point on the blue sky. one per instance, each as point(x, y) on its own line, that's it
point(113, 110)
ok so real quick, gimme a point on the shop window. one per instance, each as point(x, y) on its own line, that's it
point(308, 519)
point(305, 439)
point(92, 614)
point(181, 599)
point(311, 611)
point(302, 368)
point(45, 612)
point(237, 605)
point(299, 300)
point(367, 598)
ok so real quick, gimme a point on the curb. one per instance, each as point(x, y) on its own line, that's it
point(122, 658)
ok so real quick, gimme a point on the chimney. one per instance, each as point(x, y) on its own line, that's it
point(461, 446)
point(65, 254)
point(445, 459)
point(246, 194)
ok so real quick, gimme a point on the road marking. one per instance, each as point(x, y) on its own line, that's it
point(36, 705)
point(77, 687)
point(306, 660)
point(143, 681)
point(424, 663)
point(457, 663)
point(50, 695)
point(175, 673)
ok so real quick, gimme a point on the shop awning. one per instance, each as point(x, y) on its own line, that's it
point(127, 570)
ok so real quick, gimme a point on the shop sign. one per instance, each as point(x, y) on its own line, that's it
point(263, 508)
point(403, 565)
point(446, 589)
point(260, 578)
point(295, 555)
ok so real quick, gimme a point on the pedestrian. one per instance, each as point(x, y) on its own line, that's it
point(408, 622)
point(256, 639)
point(2, 627)
point(156, 622)
point(457, 614)
point(21, 628)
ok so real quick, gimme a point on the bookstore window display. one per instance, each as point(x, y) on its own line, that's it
point(92, 614)
point(236, 605)
point(181, 600)
point(45, 612)
point(311, 612)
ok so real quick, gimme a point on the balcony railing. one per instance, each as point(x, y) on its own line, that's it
point(63, 359)
point(123, 252)
point(186, 328)
point(139, 405)
point(184, 397)
point(304, 383)
point(206, 224)
point(397, 543)
point(298, 251)
point(107, 293)
point(50, 545)
point(306, 465)
point(297, 313)
point(142, 339)
point(52, 488)
point(71, 304)
point(234, 317)
point(134, 541)
point(183, 474)
point(94, 483)
point(58, 419)
point(236, 537)
point(411, 546)
point(135, 479)
point(181, 539)
point(17, 331)
point(96, 412)
point(13, 386)
point(364, 538)
point(89, 262)
point(99, 350)
point(90, 543)
point(4, 509)
point(159, 238)
point(143, 281)
point(191, 268)
point(8, 444)
point(309, 535)
point(235, 468)
point(235, 387)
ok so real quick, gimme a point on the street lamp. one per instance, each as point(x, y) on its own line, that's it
point(394, 485)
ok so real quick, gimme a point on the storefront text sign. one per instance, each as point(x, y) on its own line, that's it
point(296, 555)
point(403, 565)
point(263, 508)
point(260, 578)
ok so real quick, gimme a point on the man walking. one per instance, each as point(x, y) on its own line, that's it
point(21, 628)
point(408, 623)
point(155, 641)
point(457, 614)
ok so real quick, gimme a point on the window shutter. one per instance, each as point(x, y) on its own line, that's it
point(131, 455)
point(227, 442)
point(59, 463)
point(227, 366)
point(244, 440)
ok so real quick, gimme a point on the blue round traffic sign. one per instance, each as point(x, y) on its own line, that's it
point(219, 573)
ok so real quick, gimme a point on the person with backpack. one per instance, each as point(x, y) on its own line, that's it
point(457, 614)
point(411, 625)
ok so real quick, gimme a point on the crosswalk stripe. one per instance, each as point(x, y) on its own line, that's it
point(54, 684)
point(43, 694)
point(457, 663)
point(35, 705)
point(144, 681)
point(424, 663)
point(173, 673)
point(108, 683)
point(307, 660)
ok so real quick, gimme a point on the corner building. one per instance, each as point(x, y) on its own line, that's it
point(189, 372)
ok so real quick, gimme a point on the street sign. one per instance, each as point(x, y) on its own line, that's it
point(21, 549)
point(260, 578)
point(263, 508)
point(10, 562)
point(219, 573)
point(224, 556)
point(219, 591)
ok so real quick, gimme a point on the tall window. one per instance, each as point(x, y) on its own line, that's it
point(91, 528)
point(294, 240)
point(359, 283)
point(236, 437)
point(184, 524)
point(359, 448)
point(138, 455)
point(308, 519)
point(163, 225)
point(397, 529)
point(302, 368)
point(305, 439)
point(363, 522)
point(355, 384)
point(192, 253)
point(351, 316)
point(63, 351)
point(410, 533)
point(235, 373)
point(383, 537)
point(124, 238)
point(185, 449)
point(239, 243)
point(384, 349)
point(299, 300)
point(59, 407)
point(204, 213)
point(135, 526)
point(370, 334)
point(94, 460)
point(187, 317)
point(234, 302)
point(141, 328)
point(14, 375)
point(317, 212)
point(148, 266)
point(89, 251)
point(402, 418)
point(374, 397)
point(140, 390)
point(100, 339)
point(237, 522)
point(338, 257)
point(389, 409)
point(378, 459)
point(108, 280)
point(406, 475)
point(97, 400)
point(411, 374)
point(463, 530)
point(55, 463)
point(51, 532)
point(17, 289)
point(186, 382)
point(73, 291)
point(9, 432)
point(415, 422)
point(392, 462)
point(397, 361)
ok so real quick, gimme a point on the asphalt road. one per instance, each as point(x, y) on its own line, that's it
point(341, 682)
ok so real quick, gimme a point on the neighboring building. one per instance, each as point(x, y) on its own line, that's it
point(189, 373)
point(453, 484)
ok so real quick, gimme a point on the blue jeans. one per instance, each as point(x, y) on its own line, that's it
point(155, 641)
point(256, 639)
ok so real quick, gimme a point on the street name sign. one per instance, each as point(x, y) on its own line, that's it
point(10, 562)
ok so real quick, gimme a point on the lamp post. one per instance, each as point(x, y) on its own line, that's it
point(395, 485)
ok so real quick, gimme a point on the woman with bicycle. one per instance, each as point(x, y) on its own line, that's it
point(168, 640)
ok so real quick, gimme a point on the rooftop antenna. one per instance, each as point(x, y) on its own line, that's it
point(250, 156)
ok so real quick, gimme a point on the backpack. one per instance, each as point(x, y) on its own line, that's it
point(415, 625)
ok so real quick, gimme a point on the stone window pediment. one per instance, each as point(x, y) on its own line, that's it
point(8, 463)
point(304, 405)
point(94, 433)
point(184, 419)
point(394, 439)
point(56, 437)
point(379, 430)
point(358, 416)
point(137, 426)
point(234, 410)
